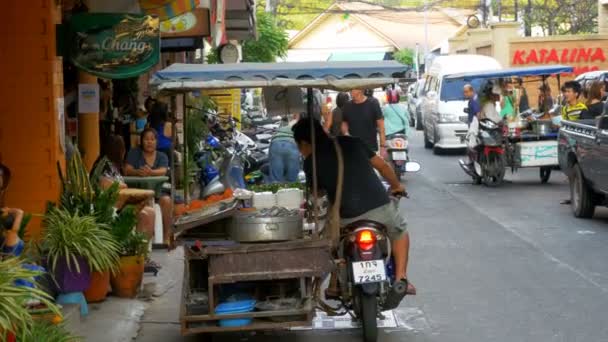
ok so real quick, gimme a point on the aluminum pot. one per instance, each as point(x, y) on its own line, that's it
point(246, 228)
point(542, 127)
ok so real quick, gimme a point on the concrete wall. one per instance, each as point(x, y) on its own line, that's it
point(30, 102)
point(492, 41)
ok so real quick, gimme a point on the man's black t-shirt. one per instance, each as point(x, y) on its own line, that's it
point(362, 190)
point(362, 120)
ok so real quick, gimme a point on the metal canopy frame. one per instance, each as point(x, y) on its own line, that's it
point(183, 78)
point(512, 72)
point(180, 78)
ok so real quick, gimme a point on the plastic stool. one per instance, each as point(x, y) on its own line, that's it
point(74, 298)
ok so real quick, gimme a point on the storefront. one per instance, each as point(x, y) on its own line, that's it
point(43, 81)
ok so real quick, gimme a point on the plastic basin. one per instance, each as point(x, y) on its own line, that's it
point(241, 306)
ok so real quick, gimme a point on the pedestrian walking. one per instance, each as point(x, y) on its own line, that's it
point(362, 118)
point(333, 122)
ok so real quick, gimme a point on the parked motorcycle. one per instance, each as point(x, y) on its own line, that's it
point(488, 156)
point(366, 277)
point(397, 151)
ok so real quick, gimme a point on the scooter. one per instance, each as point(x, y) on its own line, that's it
point(397, 151)
point(488, 156)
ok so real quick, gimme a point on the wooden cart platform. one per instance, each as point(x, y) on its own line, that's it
point(297, 262)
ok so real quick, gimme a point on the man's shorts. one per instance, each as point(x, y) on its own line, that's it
point(388, 215)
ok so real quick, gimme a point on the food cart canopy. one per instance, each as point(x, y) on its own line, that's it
point(512, 72)
point(179, 78)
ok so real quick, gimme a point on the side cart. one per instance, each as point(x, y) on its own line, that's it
point(531, 137)
point(281, 277)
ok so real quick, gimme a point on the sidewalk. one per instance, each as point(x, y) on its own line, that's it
point(120, 319)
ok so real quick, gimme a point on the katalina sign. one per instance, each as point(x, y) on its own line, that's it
point(114, 45)
point(582, 59)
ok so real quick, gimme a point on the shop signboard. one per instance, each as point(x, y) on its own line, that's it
point(582, 54)
point(114, 46)
point(191, 24)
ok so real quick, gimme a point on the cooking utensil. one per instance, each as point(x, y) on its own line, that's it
point(542, 127)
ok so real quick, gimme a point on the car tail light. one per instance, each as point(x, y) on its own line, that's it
point(366, 239)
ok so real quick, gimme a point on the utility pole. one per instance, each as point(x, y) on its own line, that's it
point(484, 12)
point(499, 5)
point(516, 5)
point(426, 31)
point(528, 19)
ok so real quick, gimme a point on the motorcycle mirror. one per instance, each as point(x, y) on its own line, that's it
point(412, 167)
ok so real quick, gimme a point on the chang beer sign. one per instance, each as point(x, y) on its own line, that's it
point(114, 45)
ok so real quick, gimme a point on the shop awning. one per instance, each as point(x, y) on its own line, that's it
point(547, 70)
point(323, 75)
point(357, 56)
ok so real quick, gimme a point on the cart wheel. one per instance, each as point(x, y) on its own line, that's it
point(545, 174)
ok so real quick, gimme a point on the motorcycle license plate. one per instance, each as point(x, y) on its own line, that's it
point(372, 271)
point(399, 155)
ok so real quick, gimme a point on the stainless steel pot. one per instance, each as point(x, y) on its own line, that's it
point(542, 127)
point(247, 228)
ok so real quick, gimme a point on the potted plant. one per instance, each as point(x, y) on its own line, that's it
point(82, 194)
point(45, 331)
point(133, 251)
point(15, 318)
point(74, 246)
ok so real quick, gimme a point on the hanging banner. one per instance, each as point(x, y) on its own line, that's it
point(114, 46)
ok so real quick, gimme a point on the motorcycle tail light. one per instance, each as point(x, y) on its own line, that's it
point(366, 239)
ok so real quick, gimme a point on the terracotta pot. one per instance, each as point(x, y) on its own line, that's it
point(98, 290)
point(127, 281)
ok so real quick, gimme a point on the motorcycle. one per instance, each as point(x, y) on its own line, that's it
point(365, 276)
point(397, 151)
point(488, 156)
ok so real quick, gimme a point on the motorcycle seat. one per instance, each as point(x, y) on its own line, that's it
point(365, 223)
point(395, 136)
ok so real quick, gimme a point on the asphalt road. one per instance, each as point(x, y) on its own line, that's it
point(505, 264)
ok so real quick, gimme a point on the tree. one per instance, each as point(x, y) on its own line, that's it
point(272, 42)
point(405, 56)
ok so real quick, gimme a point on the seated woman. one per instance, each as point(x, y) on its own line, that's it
point(396, 116)
point(10, 243)
point(146, 161)
point(114, 150)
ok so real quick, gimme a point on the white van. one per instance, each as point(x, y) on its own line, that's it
point(442, 107)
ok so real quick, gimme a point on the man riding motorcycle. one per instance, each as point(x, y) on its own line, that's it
point(363, 195)
point(490, 93)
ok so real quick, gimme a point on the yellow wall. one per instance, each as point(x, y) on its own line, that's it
point(30, 87)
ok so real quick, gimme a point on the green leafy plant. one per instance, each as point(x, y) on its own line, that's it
point(405, 56)
point(131, 242)
point(14, 314)
point(41, 330)
point(272, 42)
point(71, 235)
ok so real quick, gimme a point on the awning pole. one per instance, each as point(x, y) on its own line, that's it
point(315, 194)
